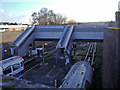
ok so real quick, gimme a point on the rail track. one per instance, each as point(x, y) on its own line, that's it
point(55, 71)
point(34, 61)
point(81, 72)
point(90, 56)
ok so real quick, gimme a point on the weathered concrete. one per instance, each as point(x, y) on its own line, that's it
point(117, 16)
point(111, 58)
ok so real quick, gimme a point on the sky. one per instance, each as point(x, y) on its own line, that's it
point(80, 10)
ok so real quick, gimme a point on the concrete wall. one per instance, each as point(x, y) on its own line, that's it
point(111, 58)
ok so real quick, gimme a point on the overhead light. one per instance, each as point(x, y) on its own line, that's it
point(60, 45)
point(46, 44)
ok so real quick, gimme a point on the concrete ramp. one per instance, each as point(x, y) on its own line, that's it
point(66, 37)
point(22, 42)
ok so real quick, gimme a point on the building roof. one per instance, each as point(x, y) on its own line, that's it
point(12, 26)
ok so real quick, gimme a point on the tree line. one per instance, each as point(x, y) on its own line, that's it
point(48, 17)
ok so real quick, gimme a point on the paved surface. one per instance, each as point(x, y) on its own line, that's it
point(46, 74)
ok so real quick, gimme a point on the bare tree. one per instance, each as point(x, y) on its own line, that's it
point(34, 18)
point(60, 19)
point(71, 22)
point(47, 17)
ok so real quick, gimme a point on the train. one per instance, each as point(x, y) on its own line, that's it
point(64, 56)
point(13, 66)
point(60, 57)
point(79, 76)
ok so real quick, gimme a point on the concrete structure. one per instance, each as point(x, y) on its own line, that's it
point(111, 61)
point(81, 32)
point(111, 55)
point(1, 52)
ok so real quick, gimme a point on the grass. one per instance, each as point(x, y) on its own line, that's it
point(10, 36)
point(12, 85)
point(7, 79)
point(80, 52)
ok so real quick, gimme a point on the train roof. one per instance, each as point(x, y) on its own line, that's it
point(76, 75)
point(10, 61)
